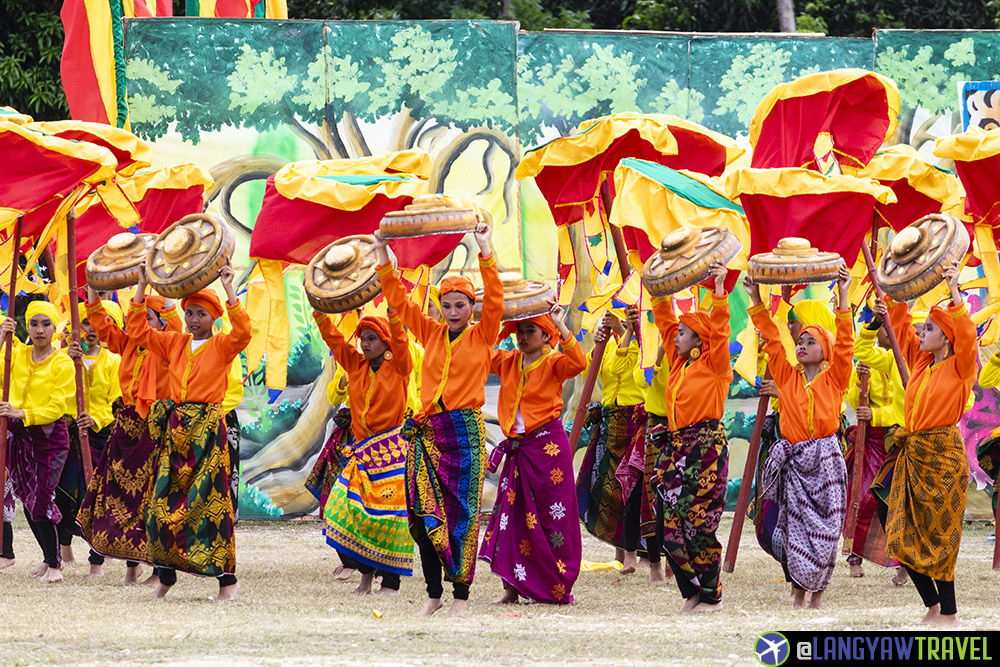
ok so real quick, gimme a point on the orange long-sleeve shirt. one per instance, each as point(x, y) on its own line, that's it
point(138, 365)
point(696, 390)
point(377, 398)
point(197, 375)
point(809, 410)
point(936, 393)
point(454, 373)
point(536, 390)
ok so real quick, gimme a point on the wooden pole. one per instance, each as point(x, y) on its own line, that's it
point(74, 315)
point(598, 354)
point(733, 547)
point(860, 433)
point(996, 544)
point(8, 346)
point(897, 353)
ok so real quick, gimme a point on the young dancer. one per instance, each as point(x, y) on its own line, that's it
point(100, 389)
point(620, 420)
point(41, 387)
point(112, 515)
point(692, 462)
point(803, 487)
point(883, 411)
point(190, 518)
point(446, 458)
point(930, 482)
point(533, 539)
point(365, 518)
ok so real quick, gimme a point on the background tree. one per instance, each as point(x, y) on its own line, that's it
point(31, 41)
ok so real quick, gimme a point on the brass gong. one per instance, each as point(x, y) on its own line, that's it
point(341, 277)
point(919, 254)
point(685, 257)
point(794, 262)
point(432, 214)
point(116, 264)
point(187, 256)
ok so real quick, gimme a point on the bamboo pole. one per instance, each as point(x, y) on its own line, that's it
point(74, 314)
point(733, 547)
point(860, 433)
point(8, 347)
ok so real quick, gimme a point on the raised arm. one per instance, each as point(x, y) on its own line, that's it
point(572, 362)
point(399, 345)
point(873, 357)
point(777, 362)
point(344, 354)
point(966, 354)
point(902, 325)
point(842, 363)
point(718, 342)
point(488, 327)
point(113, 338)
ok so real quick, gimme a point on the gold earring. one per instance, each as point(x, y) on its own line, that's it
point(388, 355)
point(825, 365)
point(695, 353)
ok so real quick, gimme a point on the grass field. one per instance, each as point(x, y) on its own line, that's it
point(291, 611)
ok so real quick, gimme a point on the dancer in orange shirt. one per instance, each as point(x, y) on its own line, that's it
point(533, 539)
point(803, 480)
point(446, 459)
point(190, 519)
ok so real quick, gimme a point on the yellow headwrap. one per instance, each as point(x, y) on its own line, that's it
point(918, 316)
point(114, 311)
point(432, 295)
point(41, 308)
point(811, 312)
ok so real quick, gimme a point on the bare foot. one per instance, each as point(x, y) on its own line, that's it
point(365, 587)
point(656, 573)
point(341, 573)
point(132, 575)
point(96, 571)
point(387, 591)
point(458, 608)
point(816, 600)
point(689, 604)
point(509, 596)
point(619, 555)
point(52, 576)
point(66, 552)
point(39, 570)
point(948, 620)
point(159, 591)
point(151, 580)
point(902, 577)
point(628, 565)
point(798, 599)
point(644, 562)
point(856, 571)
point(228, 593)
point(932, 615)
point(706, 608)
point(6, 562)
point(431, 606)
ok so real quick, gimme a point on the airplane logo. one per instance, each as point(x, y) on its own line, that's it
point(771, 649)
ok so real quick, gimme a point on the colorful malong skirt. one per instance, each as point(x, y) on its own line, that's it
point(366, 515)
point(73, 481)
point(190, 519)
point(636, 467)
point(112, 517)
point(988, 453)
point(869, 537)
point(36, 456)
point(598, 491)
point(533, 538)
point(927, 501)
point(690, 476)
point(330, 461)
point(445, 470)
point(801, 503)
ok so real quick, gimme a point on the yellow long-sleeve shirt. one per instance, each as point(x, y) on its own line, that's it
point(618, 383)
point(656, 391)
point(100, 387)
point(42, 389)
point(886, 395)
point(989, 376)
point(234, 387)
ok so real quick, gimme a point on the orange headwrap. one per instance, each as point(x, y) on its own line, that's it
point(699, 323)
point(944, 320)
point(205, 298)
point(823, 337)
point(155, 301)
point(379, 325)
point(543, 322)
point(458, 284)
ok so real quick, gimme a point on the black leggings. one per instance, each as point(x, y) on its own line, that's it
point(8, 542)
point(633, 527)
point(97, 559)
point(932, 591)
point(168, 577)
point(67, 525)
point(390, 580)
point(47, 535)
point(430, 563)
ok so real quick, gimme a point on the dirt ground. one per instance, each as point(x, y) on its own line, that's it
point(291, 612)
